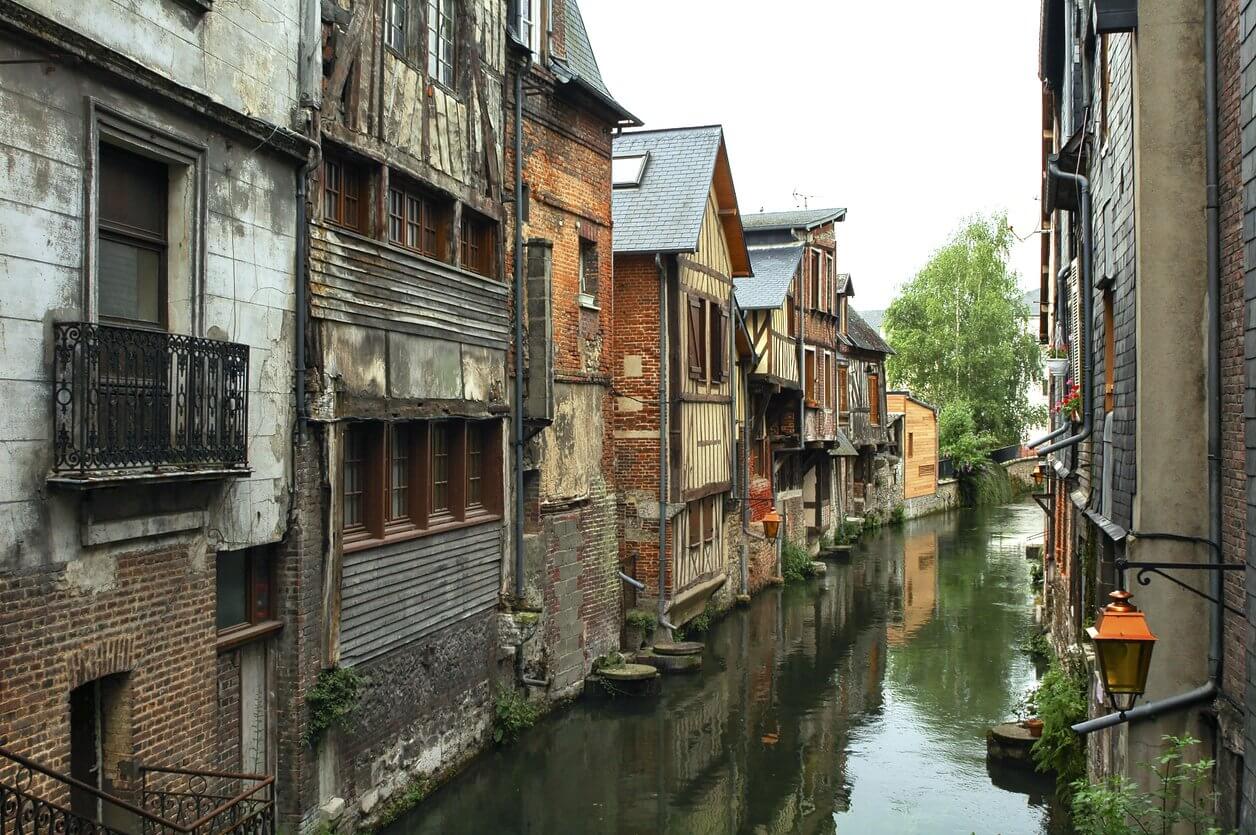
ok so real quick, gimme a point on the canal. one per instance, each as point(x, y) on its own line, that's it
point(857, 702)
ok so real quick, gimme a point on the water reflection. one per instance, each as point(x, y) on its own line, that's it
point(858, 703)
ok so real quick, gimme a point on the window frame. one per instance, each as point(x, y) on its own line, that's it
point(394, 27)
point(588, 270)
point(478, 244)
point(346, 171)
point(440, 30)
point(422, 213)
point(260, 605)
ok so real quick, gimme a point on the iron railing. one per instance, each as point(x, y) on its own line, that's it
point(130, 400)
point(37, 800)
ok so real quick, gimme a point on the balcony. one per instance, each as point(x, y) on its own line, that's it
point(36, 800)
point(132, 404)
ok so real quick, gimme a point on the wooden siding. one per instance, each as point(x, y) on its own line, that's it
point(703, 561)
point(920, 464)
point(397, 594)
point(360, 281)
point(708, 447)
point(776, 349)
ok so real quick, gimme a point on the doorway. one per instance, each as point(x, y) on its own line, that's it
point(100, 741)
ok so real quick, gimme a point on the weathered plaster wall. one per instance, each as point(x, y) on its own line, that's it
point(245, 292)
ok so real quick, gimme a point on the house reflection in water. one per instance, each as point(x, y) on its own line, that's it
point(920, 586)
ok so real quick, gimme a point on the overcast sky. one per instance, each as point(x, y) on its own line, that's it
point(912, 115)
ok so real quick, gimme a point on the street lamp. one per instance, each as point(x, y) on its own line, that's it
point(771, 525)
point(1040, 474)
point(1123, 646)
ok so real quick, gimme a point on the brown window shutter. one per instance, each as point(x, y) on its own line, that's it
point(696, 360)
point(726, 365)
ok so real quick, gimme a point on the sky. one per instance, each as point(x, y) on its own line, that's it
point(912, 115)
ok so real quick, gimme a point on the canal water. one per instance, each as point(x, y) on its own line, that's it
point(854, 703)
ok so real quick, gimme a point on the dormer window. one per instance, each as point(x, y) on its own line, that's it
point(627, 171)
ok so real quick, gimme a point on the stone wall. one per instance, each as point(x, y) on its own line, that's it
point(946, 497)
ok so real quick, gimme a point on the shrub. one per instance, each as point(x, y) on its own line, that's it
point(848, 532)
point(898, 515)
point(1061, 703)
point(795, 563)
point(512, 715)
point(640, 619)
point(1036, 644)
point(333, 697)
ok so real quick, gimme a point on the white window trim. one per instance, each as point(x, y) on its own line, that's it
point(134, 134)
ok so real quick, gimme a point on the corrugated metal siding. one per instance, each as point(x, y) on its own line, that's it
point(396, 594)
point(359, 281)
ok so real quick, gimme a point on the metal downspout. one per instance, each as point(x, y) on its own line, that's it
point(745, 483)
point(302, 253)
point(1083, 185)
point(517, 405)
point(1209, 689)
point(664, 406)
point(1055, 433)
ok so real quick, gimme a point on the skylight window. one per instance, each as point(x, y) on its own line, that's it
point(626, 171)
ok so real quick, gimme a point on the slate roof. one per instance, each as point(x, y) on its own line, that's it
point(843, 281)
point(580, 65)
point(774, 268)
point(863, 336)
point(664, 213)
point(844, 448)
point(796, 219)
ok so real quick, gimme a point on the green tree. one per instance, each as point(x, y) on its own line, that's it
point(957, 332)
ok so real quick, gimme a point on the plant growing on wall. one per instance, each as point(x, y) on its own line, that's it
point(1061, 703)
point(1179, 802)
point(959, 335)
point(512, 715)
point(333, 697)
point(795, 563)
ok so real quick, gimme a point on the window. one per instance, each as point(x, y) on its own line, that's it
point(627, 171)
point(131, 227)
point(831, 382)
point(830, 278)
point(417, 220)
point(478, 236)
point(814, 262)
point(588, 267)
point(342, 194)
point(440, 41)
point(695, 525)
point(719, 350)
point(842, 403)
point(708, 520)
point(791, 317)
point(874, 399)
point(1109, 353)
point(911, 444)
point(403, 479)
point(811, 377)
point(244, 588)
point(530, 24)
point(697, 338)
point(395, 24)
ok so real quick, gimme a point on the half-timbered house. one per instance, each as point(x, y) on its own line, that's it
point(809, 478)
point(871, 479)
point(404, 487)
point(678, 246)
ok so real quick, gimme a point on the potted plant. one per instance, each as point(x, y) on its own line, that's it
point(1026, 710)
point(1057, 359)
point(1071, 402)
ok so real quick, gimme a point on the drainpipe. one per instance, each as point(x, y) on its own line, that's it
point(1209, 689)
point(302, 248)
point(517, 405)
point(1083, 185)
point(745, 480)
point(664, 406)
point(1059, 290)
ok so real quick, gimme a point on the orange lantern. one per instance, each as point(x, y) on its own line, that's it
point(1123, 646)
point(772, 525)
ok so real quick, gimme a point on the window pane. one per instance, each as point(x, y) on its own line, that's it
point(396, 216)
point(475, 465)
point(232, 588)
point(130, 282)
point(440, 467)
point(354, 473)
point(414, 211)
point(399, 475)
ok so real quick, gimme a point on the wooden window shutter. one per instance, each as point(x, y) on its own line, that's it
point(1077, 352)
point(725, 356)
point(696, 341)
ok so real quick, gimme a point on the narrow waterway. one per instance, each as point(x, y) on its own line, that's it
point(856, 703)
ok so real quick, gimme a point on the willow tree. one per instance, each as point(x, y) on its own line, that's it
point(958, 330)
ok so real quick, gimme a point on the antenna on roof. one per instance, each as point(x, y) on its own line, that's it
point(803, 197)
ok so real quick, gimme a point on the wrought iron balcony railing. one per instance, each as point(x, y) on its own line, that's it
point(37, 800)
point(130, 401)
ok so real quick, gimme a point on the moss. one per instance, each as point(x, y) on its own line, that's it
point(403, 801)
point(527, 618)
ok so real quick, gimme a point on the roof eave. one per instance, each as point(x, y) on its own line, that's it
point(624, 119)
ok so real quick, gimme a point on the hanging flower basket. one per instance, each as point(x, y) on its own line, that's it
point(1058, 366)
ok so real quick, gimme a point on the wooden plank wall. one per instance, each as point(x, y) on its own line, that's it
point(920, 468)
point(400, 593)
point(702, 562)
point(357, 280)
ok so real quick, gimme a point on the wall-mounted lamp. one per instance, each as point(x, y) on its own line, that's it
point(1040, 474)
point(772, 525)
point(1123, 645)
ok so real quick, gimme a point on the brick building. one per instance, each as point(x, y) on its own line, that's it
point(570, 533)
point(678, 245)
point(148, 308)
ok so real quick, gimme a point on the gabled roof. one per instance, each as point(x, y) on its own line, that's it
point(580, 66)
point(664, 213)
point(913, 398)
point(843, 284)
point(862, 335)
point(796, 219)
point(774, 269)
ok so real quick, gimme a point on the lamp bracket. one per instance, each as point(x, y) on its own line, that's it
point(1044, 501)
point(1145, 569)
